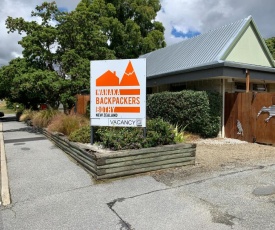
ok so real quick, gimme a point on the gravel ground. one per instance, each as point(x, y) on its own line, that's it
point(220, 154)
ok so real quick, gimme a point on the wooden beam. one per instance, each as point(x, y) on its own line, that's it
point(247, 81)
point(223, 106)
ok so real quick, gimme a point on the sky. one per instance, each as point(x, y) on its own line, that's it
point(182, 19)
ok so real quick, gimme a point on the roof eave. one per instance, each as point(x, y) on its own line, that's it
point(249, 66)
point(216, 65)
point(192, 69)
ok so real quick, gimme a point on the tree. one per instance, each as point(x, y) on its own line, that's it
point(44, 81)
point(16, 68)
point(80, 40)
point(21, 83)
point(99, 30)
point(61, 45)
point(39, 86)
point(270, 42)
point(134, 30)
point(40, 42)
point(107, 29)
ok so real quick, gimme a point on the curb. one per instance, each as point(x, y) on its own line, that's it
point(5, 192)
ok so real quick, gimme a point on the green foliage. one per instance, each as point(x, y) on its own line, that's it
point(42, 118)
point(190, 109)
point(9, 104)
point(185, 108)
point(21, 83)
point(67, 124)
point(16, 107)
point(133, 29)
point(116, 138)
point(180, 135)
point(212, 124)
point(159, 132)
point(270, 42)
point(41, 37)
point(88, 110)
point(82, 135)
point(95, 30)
point(37, 87)
point(16, 68)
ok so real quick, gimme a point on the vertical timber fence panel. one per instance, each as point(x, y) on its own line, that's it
point(81, 103)
point(249, 117)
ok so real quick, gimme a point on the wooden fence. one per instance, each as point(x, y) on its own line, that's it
point(81, 103)
point(246, 117)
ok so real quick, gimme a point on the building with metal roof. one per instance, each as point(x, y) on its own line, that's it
point(224, 53)
point(230, 59)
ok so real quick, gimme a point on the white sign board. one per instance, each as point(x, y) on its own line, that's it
point(118, 93)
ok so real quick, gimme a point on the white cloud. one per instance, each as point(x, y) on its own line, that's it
point(202, 16)
point(15, 54)
point(9, 47)
point(183, 15)
point(8, 44)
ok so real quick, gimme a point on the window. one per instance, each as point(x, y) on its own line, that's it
point(240, 86)
point(259, 87)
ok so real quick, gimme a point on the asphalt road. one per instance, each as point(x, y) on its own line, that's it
point(50, 191)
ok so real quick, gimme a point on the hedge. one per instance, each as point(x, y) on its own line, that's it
point(198, 111)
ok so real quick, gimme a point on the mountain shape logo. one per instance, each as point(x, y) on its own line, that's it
point(129, 78)
point(110, 78)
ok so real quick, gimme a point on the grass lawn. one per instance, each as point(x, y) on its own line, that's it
point(4, 109)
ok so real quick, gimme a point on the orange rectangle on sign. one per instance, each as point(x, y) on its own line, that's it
point(129, 91)
point(127, 110)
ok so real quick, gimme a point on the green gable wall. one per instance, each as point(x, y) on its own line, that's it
point(248, 50)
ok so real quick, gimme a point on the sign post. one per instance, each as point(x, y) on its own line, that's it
point(118, 93)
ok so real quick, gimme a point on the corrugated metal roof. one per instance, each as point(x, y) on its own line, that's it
point(198, 51)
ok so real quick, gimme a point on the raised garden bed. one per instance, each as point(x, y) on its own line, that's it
point(104, 164)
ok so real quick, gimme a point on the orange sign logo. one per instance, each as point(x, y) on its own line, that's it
point(111, 91)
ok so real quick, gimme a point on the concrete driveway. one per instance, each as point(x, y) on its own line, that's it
point(50, 191)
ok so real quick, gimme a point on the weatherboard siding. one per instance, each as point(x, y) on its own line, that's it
point(248, 50)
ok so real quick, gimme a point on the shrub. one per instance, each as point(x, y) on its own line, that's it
point(198, 111)
point(186, 108)
point(212, 125)
point(116, 138)
point(82, 135)
point(67, 124)
point(159, 132)
point(42, 118)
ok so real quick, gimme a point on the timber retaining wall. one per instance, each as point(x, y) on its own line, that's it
point(103, 164)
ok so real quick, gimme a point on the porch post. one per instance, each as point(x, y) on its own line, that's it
point(223, 107)
point(247, 80)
